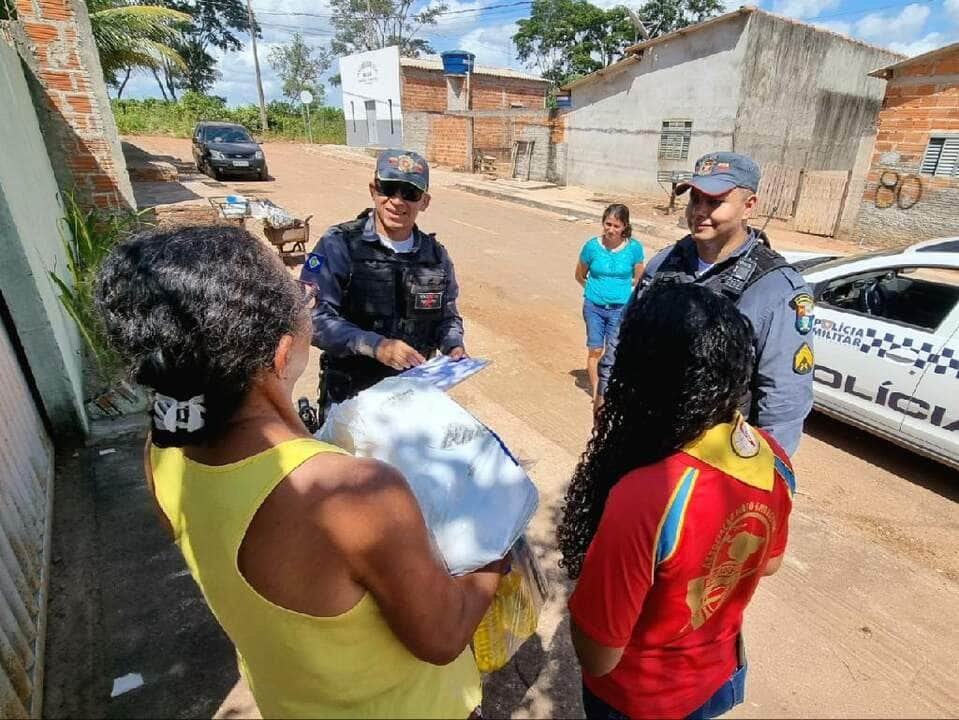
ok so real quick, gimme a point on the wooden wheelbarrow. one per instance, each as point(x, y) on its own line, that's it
point(297, 237)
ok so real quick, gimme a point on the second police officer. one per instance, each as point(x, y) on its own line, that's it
point(722, 252)
point(386, 289)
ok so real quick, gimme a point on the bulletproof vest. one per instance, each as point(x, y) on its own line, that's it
point(398, 295)
point(731, 278)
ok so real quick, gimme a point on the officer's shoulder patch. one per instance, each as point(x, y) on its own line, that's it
point(314, 262)
point(803, 360)
point(804, 307)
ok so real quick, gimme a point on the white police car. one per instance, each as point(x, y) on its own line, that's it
point(887, 342)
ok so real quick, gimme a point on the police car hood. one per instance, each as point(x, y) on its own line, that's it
point(802, 261)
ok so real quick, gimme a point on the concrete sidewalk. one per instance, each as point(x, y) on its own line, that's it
point(123, 604)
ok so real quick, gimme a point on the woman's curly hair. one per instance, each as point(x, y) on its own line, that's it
point(197, 310)
point(683, 364)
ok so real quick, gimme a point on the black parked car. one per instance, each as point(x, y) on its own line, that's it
point(220, 148)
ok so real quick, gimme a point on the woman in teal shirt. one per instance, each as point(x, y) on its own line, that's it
point(609, 267)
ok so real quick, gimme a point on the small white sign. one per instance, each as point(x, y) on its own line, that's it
point(306, 97)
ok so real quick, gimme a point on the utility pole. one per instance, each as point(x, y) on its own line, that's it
point(256, 64)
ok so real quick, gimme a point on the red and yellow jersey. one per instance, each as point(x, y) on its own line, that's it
point(677, 556)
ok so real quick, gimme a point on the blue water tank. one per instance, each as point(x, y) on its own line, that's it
point(457, 62)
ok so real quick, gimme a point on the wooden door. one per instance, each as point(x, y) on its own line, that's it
point(822, 194)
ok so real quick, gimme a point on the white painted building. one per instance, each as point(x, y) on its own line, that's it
point(371, 98)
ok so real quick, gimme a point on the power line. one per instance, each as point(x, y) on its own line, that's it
point(327, 16)
point(868, 10)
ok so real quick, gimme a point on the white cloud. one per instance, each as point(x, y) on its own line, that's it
point(917, 47)
point(458, 17)
point(887, 29)
point(837, 26)
point(803, 8)
point(952, 9)
point(492, 46)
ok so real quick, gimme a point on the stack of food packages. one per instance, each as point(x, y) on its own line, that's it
point(514, 614)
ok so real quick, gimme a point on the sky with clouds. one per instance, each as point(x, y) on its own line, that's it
point(911, 27)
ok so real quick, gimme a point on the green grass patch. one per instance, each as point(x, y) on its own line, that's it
point(177, 118)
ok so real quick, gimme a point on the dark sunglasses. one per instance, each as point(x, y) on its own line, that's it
point(390, 189)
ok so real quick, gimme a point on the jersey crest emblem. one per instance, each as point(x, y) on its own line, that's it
point(744, 439)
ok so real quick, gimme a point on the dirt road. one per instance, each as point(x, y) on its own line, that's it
point(861, 621)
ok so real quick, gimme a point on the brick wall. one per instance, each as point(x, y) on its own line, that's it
point(492, 93)
point(416, 131)
point(426, 91)
point(422, 90)
point(67, 83)
point(446, 144)
point(922, 99)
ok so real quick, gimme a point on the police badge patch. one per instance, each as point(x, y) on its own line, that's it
point(803, 360)
point(428, 301)
point(314, 262)
point(805, 309)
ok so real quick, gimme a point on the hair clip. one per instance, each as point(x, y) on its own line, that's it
point(171, 414)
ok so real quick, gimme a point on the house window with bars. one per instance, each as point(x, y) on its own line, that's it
point(674, 139)
point(942, 156)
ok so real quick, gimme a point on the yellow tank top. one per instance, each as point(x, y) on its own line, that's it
point(297, 665)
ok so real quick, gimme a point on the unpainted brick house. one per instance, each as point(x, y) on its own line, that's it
point(912, 189)
point(458, 121)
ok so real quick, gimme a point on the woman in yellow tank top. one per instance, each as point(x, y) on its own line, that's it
point(318, 565)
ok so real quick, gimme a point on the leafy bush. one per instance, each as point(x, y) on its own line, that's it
point(162, 117)
point(88, 236)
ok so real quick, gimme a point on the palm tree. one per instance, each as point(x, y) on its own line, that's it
point(130, 36)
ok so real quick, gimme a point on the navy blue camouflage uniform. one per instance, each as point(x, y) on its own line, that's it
point(368, 293)
point(775, 299)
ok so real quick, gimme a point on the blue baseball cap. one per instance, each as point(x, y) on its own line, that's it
point(403, 166)
point(717, 173)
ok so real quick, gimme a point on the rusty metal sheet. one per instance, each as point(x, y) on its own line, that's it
point(26, 467)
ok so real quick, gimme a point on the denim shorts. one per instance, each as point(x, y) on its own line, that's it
point(602, 322)
point(730, 694)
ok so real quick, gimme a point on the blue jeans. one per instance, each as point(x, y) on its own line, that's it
point(730, 694)
point(602, 321)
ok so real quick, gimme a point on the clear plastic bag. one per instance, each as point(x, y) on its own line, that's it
point(475, 496)
point(514, 613)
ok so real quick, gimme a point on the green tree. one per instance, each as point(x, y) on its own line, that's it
point(200, 71)
point(565, 39)
point(362, 25)
point(299, 69)
point(664, 16)
point(130, 36)
point(214, 25)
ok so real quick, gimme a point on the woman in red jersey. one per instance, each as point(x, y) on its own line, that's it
point(675, 511)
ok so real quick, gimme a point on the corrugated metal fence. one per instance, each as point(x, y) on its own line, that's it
point(26, 492)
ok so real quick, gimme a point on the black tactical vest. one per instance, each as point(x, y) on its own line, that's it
point(398, 295)
point(730, 278)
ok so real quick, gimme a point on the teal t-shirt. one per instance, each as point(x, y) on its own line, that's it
point(610, 277)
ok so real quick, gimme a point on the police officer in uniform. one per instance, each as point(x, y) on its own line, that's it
point(723, 253)
point(386, 290)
